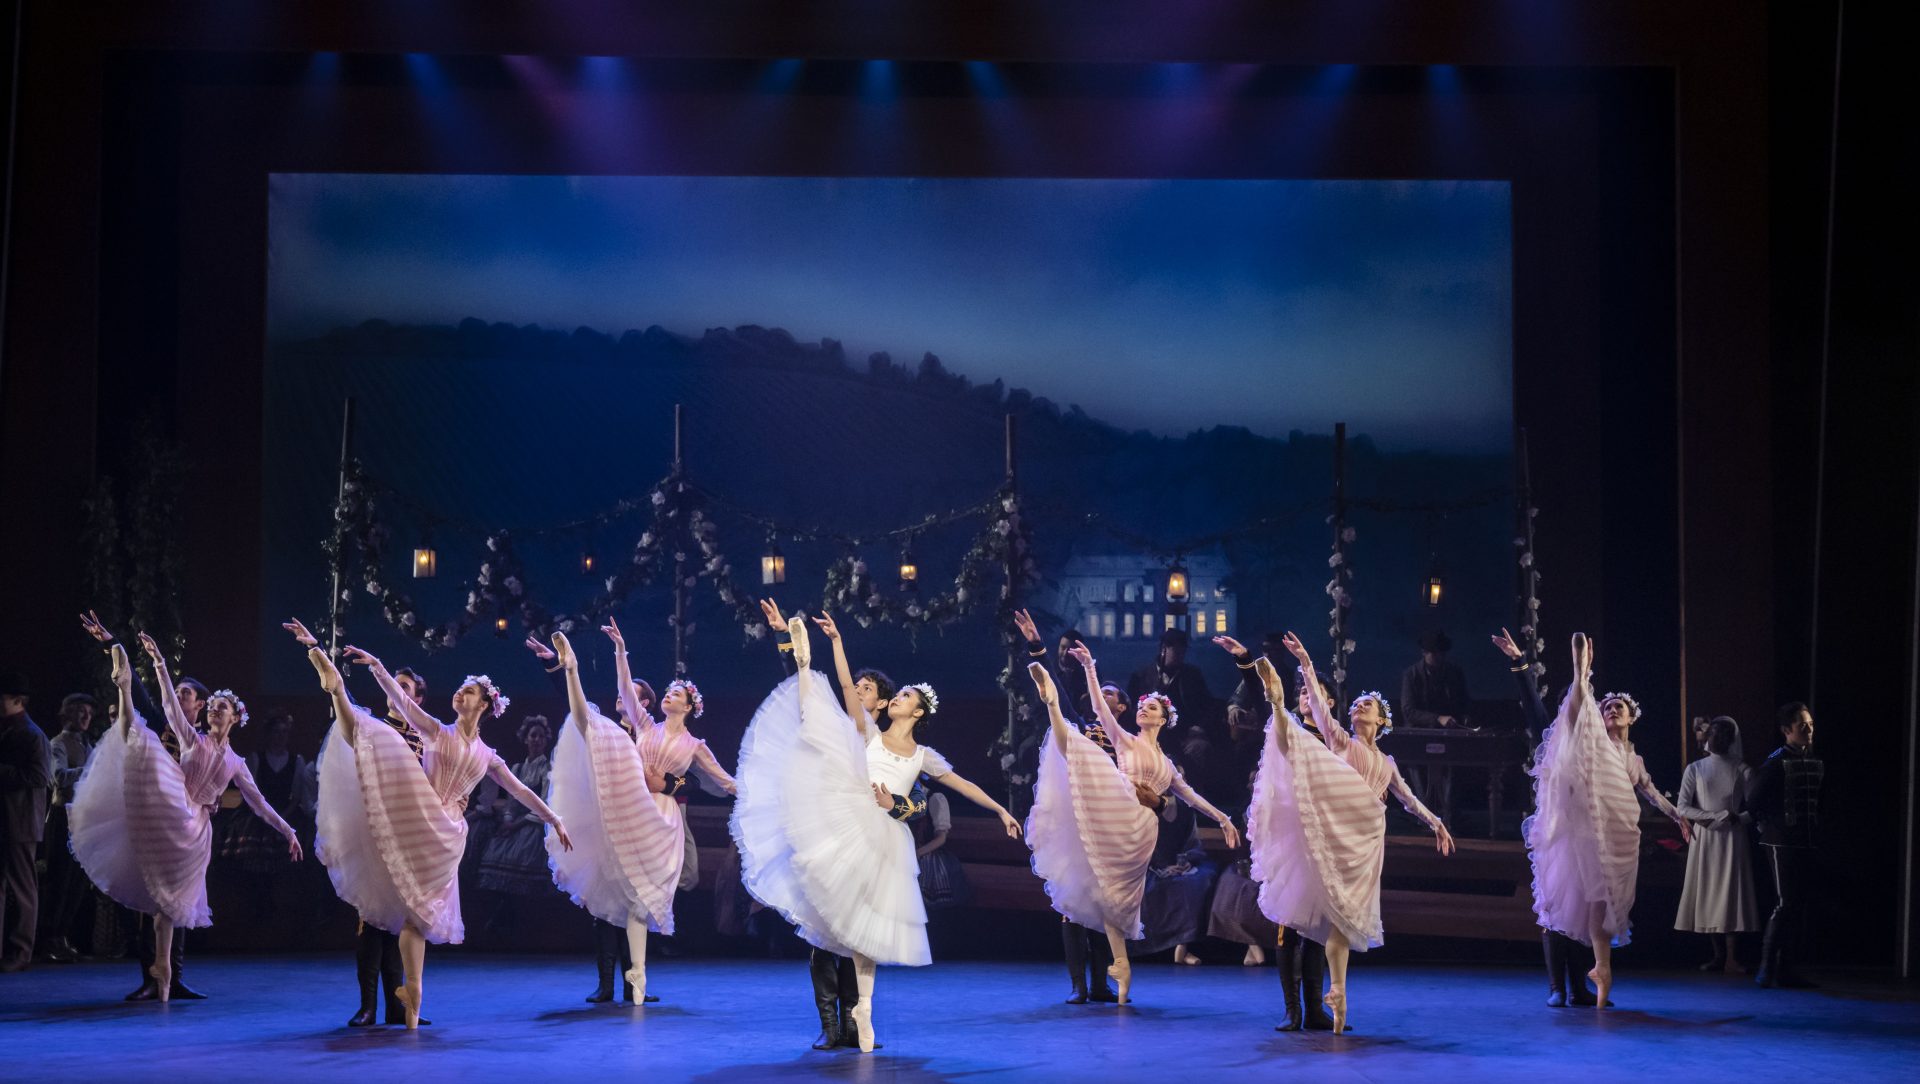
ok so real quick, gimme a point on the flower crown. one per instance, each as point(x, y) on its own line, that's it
point(494, 696)
point(927, 695)
point(693, 694)
point(239, 705)
point(1386, 709)
point(1166, 705)
point(1633, 706)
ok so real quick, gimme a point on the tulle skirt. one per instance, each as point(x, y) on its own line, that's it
point(135, 833)
point(1584, 835)
point(626, 851)
point(1091, 837)
point(1318, 834)
point(390, 846)
point(813, 844)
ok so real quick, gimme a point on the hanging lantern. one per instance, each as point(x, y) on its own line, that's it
point(586, 563)
point(500, 626)
point(773, 565)
point(426, 563)
point(1177, 589)
point(909, 569)
point(1435, 584)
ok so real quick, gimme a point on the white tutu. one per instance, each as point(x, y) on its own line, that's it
point(626, 855)
point(813, 843)
point(133, 831)
point(390, 846)
point(1584, 836)
point(1091, 837)
point(1318, 834)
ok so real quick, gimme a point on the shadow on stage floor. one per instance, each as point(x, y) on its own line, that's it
point(523, 1018)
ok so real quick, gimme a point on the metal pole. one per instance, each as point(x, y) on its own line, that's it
point(339, 560)
point(679, 558)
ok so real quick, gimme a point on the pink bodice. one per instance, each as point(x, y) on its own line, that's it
point(1146, 766)
point(207, 769)
point(455, 766)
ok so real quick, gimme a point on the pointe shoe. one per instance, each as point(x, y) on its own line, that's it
point(863, 1025)
point(162, 980)
point(1602, 986)
point(411, 1002)
point(1336, 1001)
point(637, 987)
point(802, 646)
point(1122, 975)
point(1254, 957)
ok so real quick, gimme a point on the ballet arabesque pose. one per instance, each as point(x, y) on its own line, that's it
point(1584, 834)
point(391, 828)
point(142, 824)
point(813, 825)
point(1318, 822)
point(1092, 840)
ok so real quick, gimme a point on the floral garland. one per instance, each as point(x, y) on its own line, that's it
point(1340, 590)
point(1529, 640)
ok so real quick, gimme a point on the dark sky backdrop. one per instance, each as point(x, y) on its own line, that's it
point(1162, 305)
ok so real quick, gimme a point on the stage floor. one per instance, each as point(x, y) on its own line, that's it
point(500, 1018)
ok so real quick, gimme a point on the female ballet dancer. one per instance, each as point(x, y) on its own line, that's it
point(143, 824)
point(1584, 834)
point(1091, 837)
point(1318, 823)
point(817, 842)
point(391, 829)
point(626, 865)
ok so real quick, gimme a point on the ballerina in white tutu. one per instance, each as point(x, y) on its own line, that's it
point(625, 865)
point(142, 825)
point(391, 829)
point(1091, 837)
point(1584, 834)
point(1318, 823)
point(813, 825)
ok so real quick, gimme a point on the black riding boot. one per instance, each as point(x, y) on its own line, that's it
point(1555, 948)
point(606, 956)
point(180, 990)
point(825, 970)
point(1579, 960)
point(1313, 980)
point(1099, 958)
point(1073, 939)
point(366, 973)
point(1287, 958)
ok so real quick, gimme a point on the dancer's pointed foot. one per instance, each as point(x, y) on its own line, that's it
point(802, 646)
point(1122, 975)
point(162, 972)
point(1336, 1002)
point(1602, 985)
point(863, 1025)
point(637, 985)
point(1254, 957)
point(409, 997)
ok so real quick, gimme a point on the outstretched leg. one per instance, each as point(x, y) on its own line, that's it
point(637, 946)
point(413, 957)
point(1602, 973)
point(162, 969)
point(1336, 999)
point(863, 969)
point(1121, 971)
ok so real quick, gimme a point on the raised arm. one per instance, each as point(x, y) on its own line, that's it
point(1205, 808)
point(623, 673)
point(142, 702)
point(1442, 839)
point(845, 673)
point(972, 793)
point(344, 713)
point(1331, 731)
point(411, 713)
point(169, 696)
point(1117, 734)
point(509, 782)
point(712, 775)
point(570, 666)
point(782, 642)
point(257, 802)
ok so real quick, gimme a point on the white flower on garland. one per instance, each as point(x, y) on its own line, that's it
point(1336, 560)
point(512, 584)
point(408, 620)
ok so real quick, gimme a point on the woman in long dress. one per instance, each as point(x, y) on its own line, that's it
point(391, 828)
point(1092, 840)
point(1584, 834)
point(142, 824)
point(817, 841)
point(1318, 823)
point(626, 864)
point(1717, 898)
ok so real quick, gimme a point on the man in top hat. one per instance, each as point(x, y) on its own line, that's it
point(1433, 695)
point(26, 780)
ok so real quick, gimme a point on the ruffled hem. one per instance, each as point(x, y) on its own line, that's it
point(1317, 834)
point(813, 844)
point(1091, 838)
point(130, 829)
point(621, 864)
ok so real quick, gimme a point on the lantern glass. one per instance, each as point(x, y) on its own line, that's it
point(773, 567)
point(500, 626)
point(1177, 584)
point(909, 572)
point(426, 563)
point(586, 563)
point(1435, 586)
